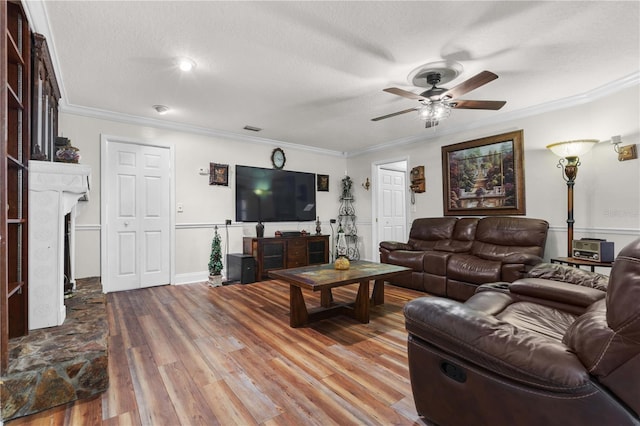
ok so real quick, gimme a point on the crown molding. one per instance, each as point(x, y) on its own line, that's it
point(186, 128)
point(39, 20)
point(572, 101)
point(568, 102)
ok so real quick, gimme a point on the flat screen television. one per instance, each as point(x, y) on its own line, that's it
point(272, 195)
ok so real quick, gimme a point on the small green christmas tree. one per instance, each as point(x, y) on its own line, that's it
point(215, 258)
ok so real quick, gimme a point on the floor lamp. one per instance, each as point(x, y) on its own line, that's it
point(569, 153)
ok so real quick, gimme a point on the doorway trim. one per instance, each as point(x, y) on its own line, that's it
point(104, 173)
point(376, 167)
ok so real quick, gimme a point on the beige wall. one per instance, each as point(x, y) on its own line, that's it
point(607, 192)
point(204, 205)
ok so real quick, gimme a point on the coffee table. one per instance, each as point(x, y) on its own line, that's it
point(323, 278)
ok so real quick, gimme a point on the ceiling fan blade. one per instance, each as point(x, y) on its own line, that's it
point(468, 104)
point(393, 114)
point(473, 83)
point(403, 93)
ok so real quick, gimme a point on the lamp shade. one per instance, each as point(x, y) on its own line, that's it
point(572, 148)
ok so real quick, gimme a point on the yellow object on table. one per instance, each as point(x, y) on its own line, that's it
point(342, 263)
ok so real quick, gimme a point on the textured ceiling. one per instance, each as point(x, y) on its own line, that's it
point(312, 73)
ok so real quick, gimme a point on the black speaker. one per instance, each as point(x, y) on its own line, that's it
point(241, 267)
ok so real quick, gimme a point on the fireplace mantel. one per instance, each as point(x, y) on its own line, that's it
point(54, 191)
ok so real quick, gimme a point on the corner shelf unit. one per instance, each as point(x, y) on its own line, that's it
point(347, 220)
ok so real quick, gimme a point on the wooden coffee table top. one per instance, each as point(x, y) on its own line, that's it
point(319, 277)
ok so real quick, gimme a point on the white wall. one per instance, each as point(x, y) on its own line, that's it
point(204, 205)
point(606, 193)
point(606, 203)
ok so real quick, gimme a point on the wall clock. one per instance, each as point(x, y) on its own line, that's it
point(278, 158)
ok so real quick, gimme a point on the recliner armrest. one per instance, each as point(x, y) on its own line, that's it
point(556, 291)
point(495, 345)
point(395, 245)
point(569, 274)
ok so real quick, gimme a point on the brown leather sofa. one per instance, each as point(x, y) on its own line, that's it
point(534, 352)
point(452, 256)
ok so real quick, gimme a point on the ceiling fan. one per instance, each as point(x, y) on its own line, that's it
point(436, 103)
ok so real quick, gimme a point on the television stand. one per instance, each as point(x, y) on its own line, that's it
point(286, 252)
point(290, 233)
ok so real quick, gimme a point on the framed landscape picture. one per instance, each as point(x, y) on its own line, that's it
point(484, 177)
point(218, 174)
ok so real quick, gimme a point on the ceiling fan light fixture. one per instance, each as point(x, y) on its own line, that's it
point(434, 111)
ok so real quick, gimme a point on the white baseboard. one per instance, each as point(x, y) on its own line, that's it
point(194, 277)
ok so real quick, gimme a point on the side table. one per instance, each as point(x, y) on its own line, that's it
point(572, 261)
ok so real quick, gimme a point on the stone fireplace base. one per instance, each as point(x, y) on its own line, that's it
point(56, 365)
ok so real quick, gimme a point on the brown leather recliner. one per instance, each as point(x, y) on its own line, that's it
point(533, 352)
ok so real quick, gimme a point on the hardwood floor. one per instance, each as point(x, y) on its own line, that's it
point(192, 354)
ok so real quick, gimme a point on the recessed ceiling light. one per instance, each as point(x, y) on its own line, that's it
point(186, 64)
point(161, 109)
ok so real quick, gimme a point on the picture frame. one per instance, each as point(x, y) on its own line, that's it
point(218, 174)
point(322, 182)
point(484, 177)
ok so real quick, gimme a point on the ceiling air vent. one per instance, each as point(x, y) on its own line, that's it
point(252, 128)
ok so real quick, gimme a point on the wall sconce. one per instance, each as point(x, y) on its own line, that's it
point(367, 184)
point(569, 153)
point(627, 152)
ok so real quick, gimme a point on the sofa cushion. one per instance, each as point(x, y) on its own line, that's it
point(395, 245)
point(513, 231)
point(472, 269)
point(465, 229)
point(461, 240)
point(516, 239)
point(426, 231)
point(410, 259)
point(539, 319)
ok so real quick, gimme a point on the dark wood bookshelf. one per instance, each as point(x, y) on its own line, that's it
point(15, 80)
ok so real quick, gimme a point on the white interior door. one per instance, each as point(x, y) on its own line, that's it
point(392, 213)
point(138, 242)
